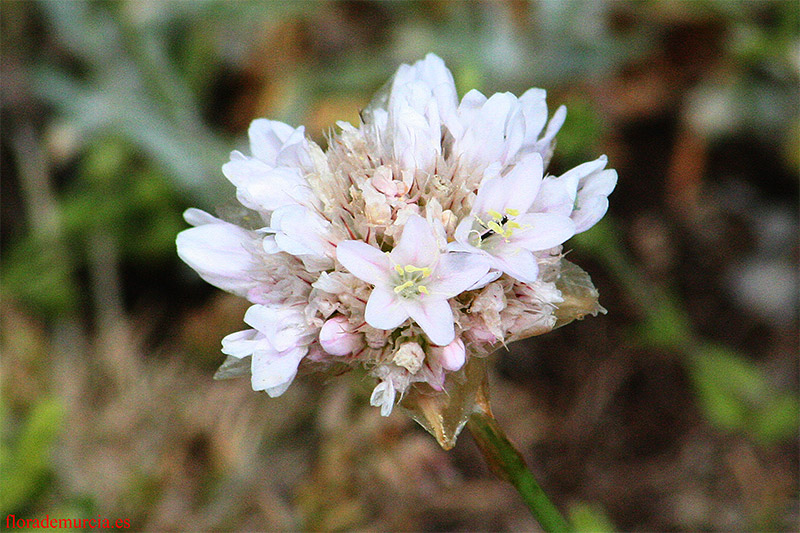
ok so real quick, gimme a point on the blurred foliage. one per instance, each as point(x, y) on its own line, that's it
point(736, 395)
point(590, 518)
point(118, 115)
point(734, 392)
point(25, 458)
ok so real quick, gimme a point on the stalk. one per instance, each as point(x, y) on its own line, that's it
point(508, 464)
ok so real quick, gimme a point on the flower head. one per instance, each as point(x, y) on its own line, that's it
point(426, 235)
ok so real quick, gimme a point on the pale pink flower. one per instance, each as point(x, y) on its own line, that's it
point(415, 280)
point(500, 227)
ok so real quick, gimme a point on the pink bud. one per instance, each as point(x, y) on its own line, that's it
point(382, 181)
point(337, 338)
point(453, 355)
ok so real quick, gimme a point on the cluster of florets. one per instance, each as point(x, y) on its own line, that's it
point(425, 235)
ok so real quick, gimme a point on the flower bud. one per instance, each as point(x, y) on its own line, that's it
point(337, 338)
point(453, 355)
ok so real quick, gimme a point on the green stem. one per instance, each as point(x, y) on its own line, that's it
point(507, 463)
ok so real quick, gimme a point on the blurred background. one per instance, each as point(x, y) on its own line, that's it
point(676, 411)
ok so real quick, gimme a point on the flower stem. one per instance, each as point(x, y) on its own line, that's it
point(507, 463)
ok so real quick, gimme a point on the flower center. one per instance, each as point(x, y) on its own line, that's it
point(500, 224)
point(409, 281)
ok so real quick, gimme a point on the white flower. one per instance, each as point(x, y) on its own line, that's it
point(301, 232)
point(220, 252)
point(580, 193)
point(274, 176)
point(383, 396)
point(414, 280)
point(277, 343)
point(503, 128)
point(501, 228)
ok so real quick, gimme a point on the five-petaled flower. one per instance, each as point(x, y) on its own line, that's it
point(501, 226)
point(415, 280)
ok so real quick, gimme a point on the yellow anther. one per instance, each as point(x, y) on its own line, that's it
point(400, 288)
point(513, 225)
point(425, 270)
point(512, 212)
point(495, 227)
point(495, 215)
point(422, 289)
point(399, 269)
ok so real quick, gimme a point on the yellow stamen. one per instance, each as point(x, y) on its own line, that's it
point(513, 212)
point(402, 287)
point(399, 269)
point(425, 270)
point(513, 225)
point(422, 289)
point(495, 215)
point(495, 227)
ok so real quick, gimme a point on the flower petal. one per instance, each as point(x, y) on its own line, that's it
point(519, 264)
point(534, 109)
point(434, 74)
point(383, 396)
point(517, 190)
point(337, 338)
point(243, 343)
point(265, 188)
point(457, 272)
point(417, 245)
point(300, 231)
point(284, 327)
point(220, 254)
point(522, 183)
point(365, 262)
point(435, 318)
point(555, 196)
point(384, 310)
point(198, 217)
point(592, 201)
point(415, 128)
point(453, 356)
point(267, 137)
point(494, 133)
point(541, 231)
point(589, 213)
point(274, 371)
